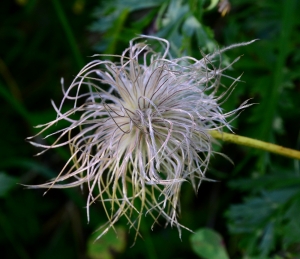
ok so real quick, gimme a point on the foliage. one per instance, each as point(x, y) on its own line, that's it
point(254, 205)
point(208, 244)
point(268, 219)
point(104, 248)
point(178, 21)
point(6, 184)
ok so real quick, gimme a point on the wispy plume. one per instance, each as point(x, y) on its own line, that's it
point(139, 128)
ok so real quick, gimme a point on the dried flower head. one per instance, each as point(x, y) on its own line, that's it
point(139, 128)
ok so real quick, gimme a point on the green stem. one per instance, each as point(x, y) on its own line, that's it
point(68, 31)
point(19, 108)
point(283, 48)
point(244, 141)
point(25, 114)
point(118, 26)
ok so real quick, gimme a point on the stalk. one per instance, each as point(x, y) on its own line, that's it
point(255, 143)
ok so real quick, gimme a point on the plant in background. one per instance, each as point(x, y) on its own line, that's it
point(259, 194)
point(180, 22)
point(139, 128)
point(131, 150)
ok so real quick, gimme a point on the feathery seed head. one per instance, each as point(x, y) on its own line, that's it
point(138, 129)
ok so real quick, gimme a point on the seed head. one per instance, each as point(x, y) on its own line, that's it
point(139, 128)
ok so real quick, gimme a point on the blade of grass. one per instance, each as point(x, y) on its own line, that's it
point(70, 36)
point(10, 81)
point(22, 111)
point(282, 47)
point(116, 32)
point(19, 108)
point(43, 170)
point(287, 24)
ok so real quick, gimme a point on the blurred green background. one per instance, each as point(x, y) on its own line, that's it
point(255, 203)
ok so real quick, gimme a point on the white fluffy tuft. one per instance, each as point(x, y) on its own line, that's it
point(138, 129)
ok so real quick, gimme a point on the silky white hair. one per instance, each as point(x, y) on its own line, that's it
point(139, 128)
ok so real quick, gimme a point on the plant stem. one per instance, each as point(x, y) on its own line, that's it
point(240, 140)
point(69, 33)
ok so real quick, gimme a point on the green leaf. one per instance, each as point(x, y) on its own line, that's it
point(109, 244)
point(291, 230)
point(260, 218)
point(208, 244)
point(6, 183)
point(212, 5)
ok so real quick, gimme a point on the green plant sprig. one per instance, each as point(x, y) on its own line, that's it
point(255, 143)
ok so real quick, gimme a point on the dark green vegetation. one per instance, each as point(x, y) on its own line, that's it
point(254, 206)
